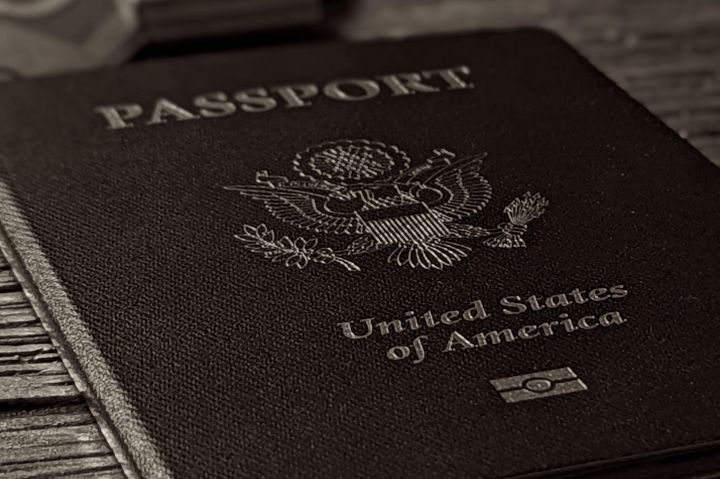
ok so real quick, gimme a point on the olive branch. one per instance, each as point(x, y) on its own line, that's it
point(298, 252)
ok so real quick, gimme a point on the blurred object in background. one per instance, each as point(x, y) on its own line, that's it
point(48, 36)
point(173, 20)
point(39, 37)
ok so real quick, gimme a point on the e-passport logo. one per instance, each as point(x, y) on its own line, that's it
point(538, 385)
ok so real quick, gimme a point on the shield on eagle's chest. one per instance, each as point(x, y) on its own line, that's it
point(413, 223)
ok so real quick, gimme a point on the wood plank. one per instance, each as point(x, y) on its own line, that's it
point(40, 418)
point(54, 367)
point(46, 437)
point(23, 332)
point(61, 467)
point(36, 388)
point(34, 453)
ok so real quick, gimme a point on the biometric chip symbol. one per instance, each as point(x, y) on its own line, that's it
point(537, 385)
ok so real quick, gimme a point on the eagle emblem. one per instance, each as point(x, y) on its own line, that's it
point(369, 190)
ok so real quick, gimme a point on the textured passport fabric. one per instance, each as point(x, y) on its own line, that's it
point(465, 256)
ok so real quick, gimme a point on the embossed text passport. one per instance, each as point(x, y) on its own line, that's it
point(462, 256)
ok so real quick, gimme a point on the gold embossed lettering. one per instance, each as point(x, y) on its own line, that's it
point(599, 294)
point(295, 96)
point(557, 300)
point(528, 332)
point(476, 311)
point(214, 105)
point(117, 116)
point(585, 323)
point(451, 76)
point(612, 318)
point(495, 337)
point(384, 326)
point(457, 339)
point(514, 304)
point(407, 84)
point(349, 333)
point(165, 109)
point(352, 89)
point(450, 317)
point(255, 100)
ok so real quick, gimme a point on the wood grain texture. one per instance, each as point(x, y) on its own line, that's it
point(666, 53)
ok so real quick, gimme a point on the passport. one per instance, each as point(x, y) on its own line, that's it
point(453, 256)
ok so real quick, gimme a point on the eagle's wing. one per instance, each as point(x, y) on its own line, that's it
point(465, 190)
point(301, 208)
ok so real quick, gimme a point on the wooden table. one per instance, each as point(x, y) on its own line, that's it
point(666, 53)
